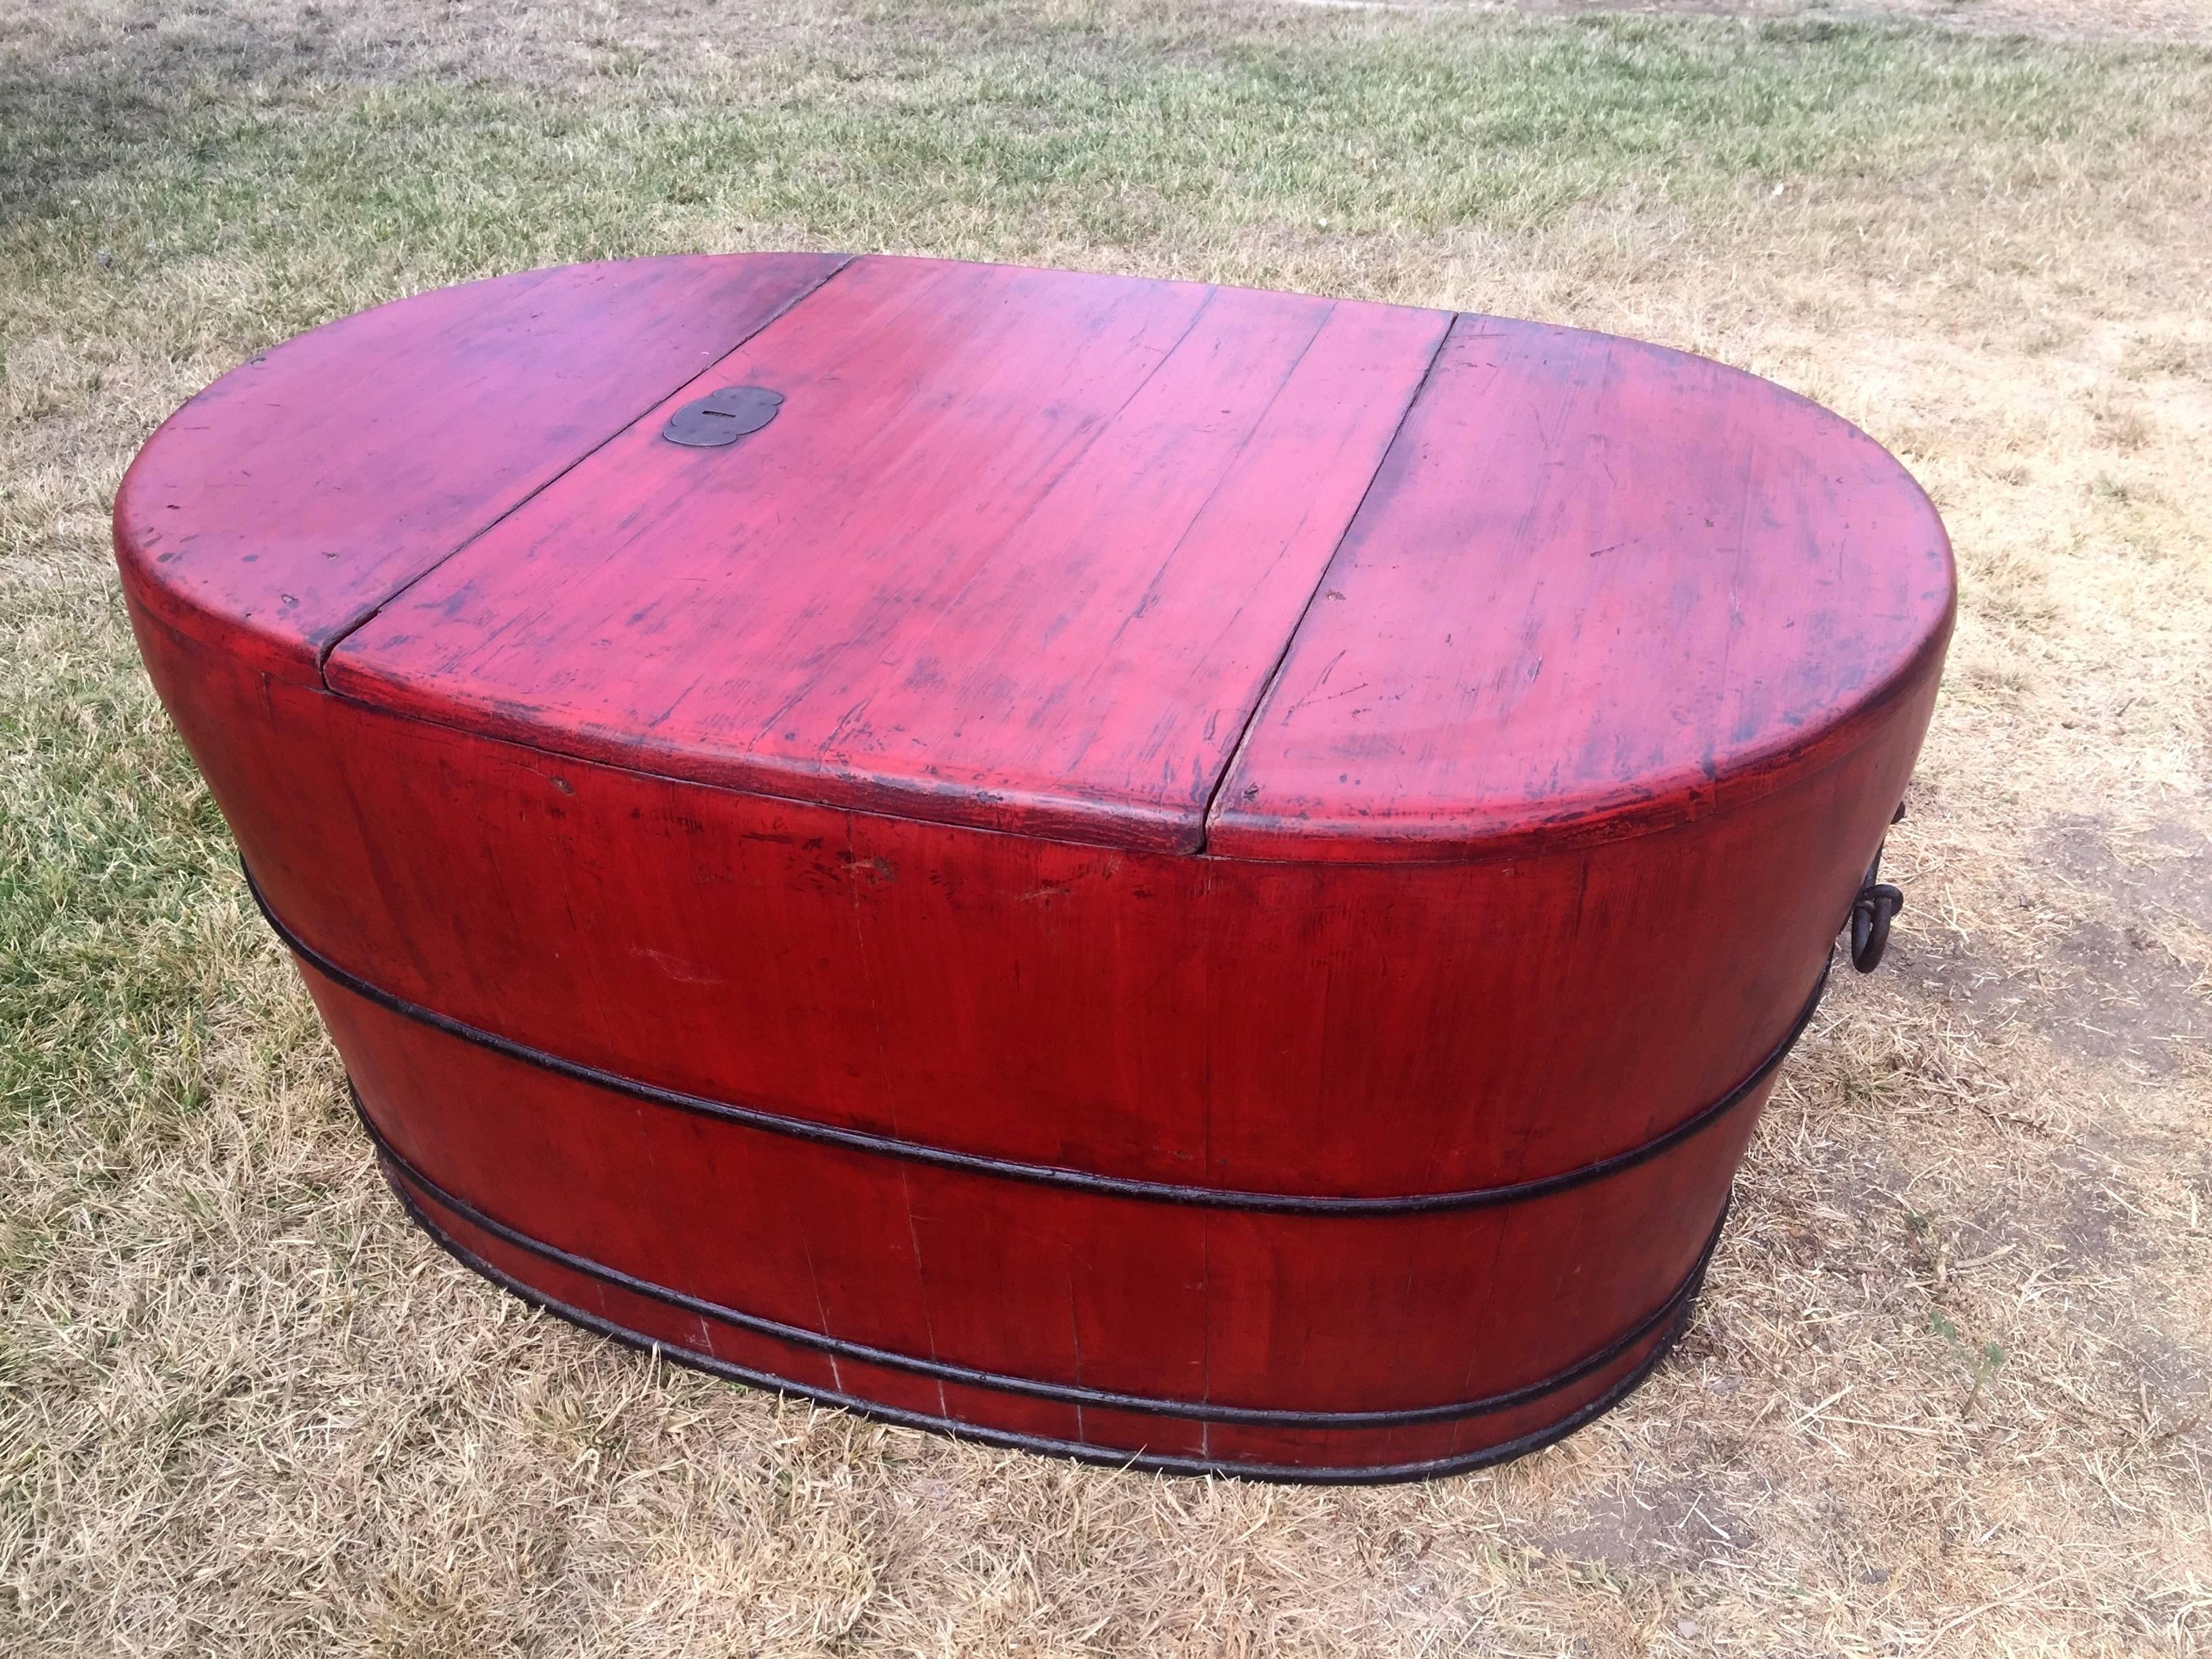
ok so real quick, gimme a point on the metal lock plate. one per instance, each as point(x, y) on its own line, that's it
point(722, 417)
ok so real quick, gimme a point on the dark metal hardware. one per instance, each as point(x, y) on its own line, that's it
point(1876, 906)
point(722, 417)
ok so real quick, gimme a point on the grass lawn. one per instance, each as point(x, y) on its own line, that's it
point(1950, 1388)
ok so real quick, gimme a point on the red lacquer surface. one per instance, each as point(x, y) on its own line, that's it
point(1019, 551)
point(1598, 586)
point(280, 507)
point(956, 900)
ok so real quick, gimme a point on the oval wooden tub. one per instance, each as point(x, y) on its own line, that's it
point(1172, 874)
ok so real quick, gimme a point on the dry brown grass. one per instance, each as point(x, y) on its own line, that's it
point(2078, 20)
point(245, 1409)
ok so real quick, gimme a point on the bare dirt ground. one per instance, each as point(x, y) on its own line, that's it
point(1948, 1389)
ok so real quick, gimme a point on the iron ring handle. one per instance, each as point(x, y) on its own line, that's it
point(1876, 906)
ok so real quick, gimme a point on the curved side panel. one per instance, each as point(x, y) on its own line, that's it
point(1092, 1435)
point(1194, 1021)
point(1454, 1318)
point(1744, 1097)
point(419, 1188)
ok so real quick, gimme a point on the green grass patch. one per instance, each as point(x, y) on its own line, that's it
point(1011, 135)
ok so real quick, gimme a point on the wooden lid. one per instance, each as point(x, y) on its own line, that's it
point(1597, 588)
point(273, 514)
point(1143, 564)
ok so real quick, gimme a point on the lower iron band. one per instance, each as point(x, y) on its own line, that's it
point(415, 1186)
point(1287, 1473)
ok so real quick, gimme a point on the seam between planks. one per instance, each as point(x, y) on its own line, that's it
point(1328, 565)
point(370, 615)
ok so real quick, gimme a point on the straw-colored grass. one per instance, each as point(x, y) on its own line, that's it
point(1947, 1392)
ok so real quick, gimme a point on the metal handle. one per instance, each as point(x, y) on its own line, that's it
point(1876, 906)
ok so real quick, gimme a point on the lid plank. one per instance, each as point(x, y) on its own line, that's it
point(1018, 549)
point(279, 507)
point(1595, 582)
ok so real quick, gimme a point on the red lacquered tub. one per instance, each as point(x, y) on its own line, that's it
point(1168, 873)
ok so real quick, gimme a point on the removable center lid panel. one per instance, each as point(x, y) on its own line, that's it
point(1018, 550)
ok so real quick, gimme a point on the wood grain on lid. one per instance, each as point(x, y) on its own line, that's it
point(1018, 551)
point(1142, 564)
point(1597, 585)
point(280, 507)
